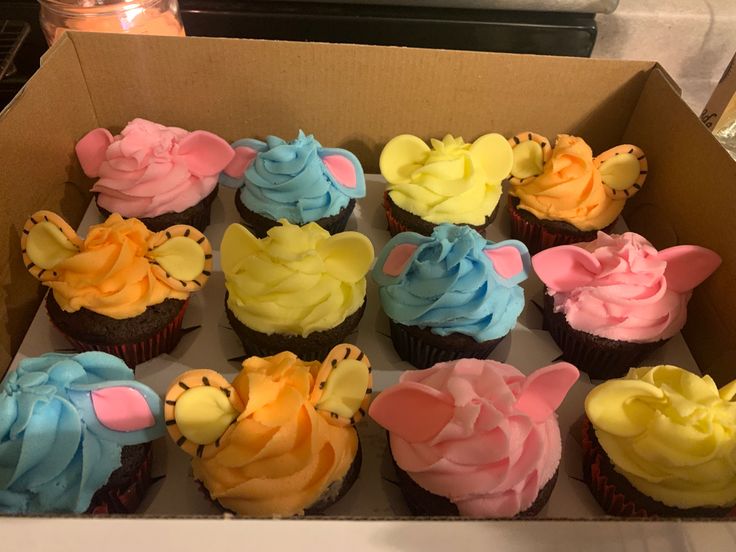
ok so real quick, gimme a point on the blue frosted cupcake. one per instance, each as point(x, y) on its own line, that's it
point(299, 181)
point(451, 295)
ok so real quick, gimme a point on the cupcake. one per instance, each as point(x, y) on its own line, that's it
point(279, 440)
point(660, 442)
point(451, 182)
point(299, 181)
point(612, 301)
point(450, 295)
point(564, 195)
point(75, 434)
point(298, 289)
point(123, 289)
point(161, 175)
point(475, 437)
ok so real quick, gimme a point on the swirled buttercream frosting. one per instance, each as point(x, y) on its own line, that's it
point(63, 422)
point(151, 169)
point(671, 433)
point(297, 280)
point(620, 287)
point(299, 181)
point(477, 432)
point(453, 281)
point(450, 182)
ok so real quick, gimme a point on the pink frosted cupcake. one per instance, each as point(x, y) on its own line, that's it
point(611, 301)
point(475, 437)
point(161, 175)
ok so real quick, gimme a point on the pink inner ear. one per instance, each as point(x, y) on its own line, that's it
point(506, 260)
point(545, 389)
point(122, 409)
point(688, 266)
point(397, 259)
point(91, 150)
point(566, 267)
point(414, 412)
point(205, 153)
point(342, 170)
point(244, 156)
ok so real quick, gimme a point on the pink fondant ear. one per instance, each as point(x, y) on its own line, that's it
point(506, 260)
point(122, 409)
point(205, 153)
point(244, 156)
point(688, 266)
point(412, 411)
point(544, 390)
point(566, 267)
point(398, 258)
point(91, 150)
point(342, 170)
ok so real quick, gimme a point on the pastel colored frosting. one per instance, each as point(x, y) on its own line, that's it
point(112, 274)
point(453, 281)
point(671, 433)
point(569, 189)
point(299, 181)
point(620, 287)
point(150, 169)
point(297, 280)
point(451, 182)
point(63, 422)
point(477, 432)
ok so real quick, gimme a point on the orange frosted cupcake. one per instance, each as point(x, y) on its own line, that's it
point(563, 194)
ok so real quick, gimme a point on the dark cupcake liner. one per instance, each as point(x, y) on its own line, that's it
point(599, 357)
point(538, 235)
point(197, 215)
point(127, 485)
point(260, 225)
point(422, 348)
point(421, 502)
point(399, 220)
point(618, 497)
point(315, 346)
point(137, 352)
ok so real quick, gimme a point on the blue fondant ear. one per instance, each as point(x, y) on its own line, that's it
point(245, 153)
point(510, 260)
point(396, 257)
point(344, 170)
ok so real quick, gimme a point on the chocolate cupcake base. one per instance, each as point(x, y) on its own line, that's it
point(601, 358)
point(260, 225)
point(315, 346)
point(618, 497)
point(399, 220)
point(127, 485)
point(197, 215)
point(422, 348)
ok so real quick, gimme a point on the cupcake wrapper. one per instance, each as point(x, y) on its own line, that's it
point(538, 238)
point(135, 353)
point(599, 357)
point(125, 499)
point(421, 353)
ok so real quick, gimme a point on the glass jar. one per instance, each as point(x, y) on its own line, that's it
point(154, 17)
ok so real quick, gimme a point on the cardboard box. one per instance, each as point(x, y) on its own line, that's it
point(358, 97)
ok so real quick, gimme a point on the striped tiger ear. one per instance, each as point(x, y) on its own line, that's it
point(200, 409)
point(623, 170)
point(531, 151)
point(182, 257)
point(47, 240)
point(343, 386)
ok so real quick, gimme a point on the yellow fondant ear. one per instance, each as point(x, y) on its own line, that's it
point(47, 240)
point(347, 256)
point(728, 392)
point(623, 170)
point(401, 157)
point(343, 386)
point(182, 257)
point(494, 154)
point(530, 152)
point(237, 244)
point(199, 409)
